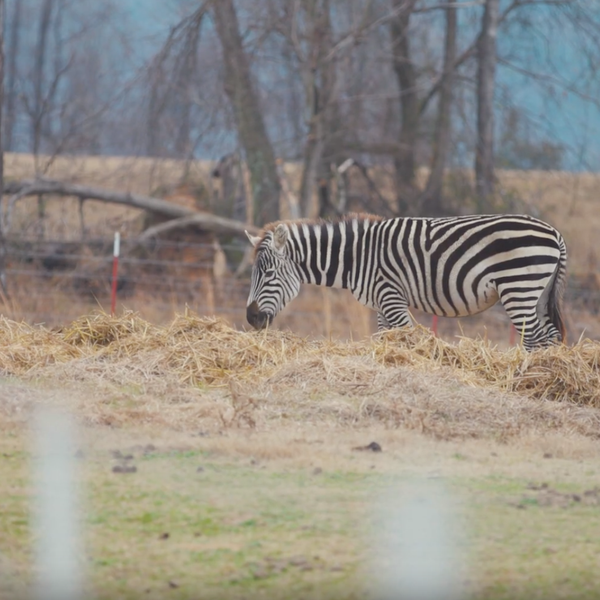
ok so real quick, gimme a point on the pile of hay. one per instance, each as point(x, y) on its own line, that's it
point(209, 352)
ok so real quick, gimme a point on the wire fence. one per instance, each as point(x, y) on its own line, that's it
point(54, 282)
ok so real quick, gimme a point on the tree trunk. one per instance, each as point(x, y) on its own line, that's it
point(2, 244)
point(11, 92)
point(249, 119)
point(486, 71)
point(404, 160)
point(432, 202)
point(320, 81)
point(39, 73)
point(1, 105)
point(313, 151)
point(331, 118)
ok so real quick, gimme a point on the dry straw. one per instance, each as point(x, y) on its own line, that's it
point(208, 351)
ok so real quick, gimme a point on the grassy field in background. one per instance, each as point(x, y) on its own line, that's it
point(569, 201)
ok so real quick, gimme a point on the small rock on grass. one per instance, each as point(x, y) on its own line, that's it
point(120, 456)
point(124, 469)
point(373, 447)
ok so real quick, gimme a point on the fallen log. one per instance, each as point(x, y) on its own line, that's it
point(182, 216)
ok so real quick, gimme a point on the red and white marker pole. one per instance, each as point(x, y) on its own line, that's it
point(434, 324)
point(115, 271)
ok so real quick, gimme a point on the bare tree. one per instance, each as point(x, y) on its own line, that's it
point(432, 201)
point(59, 87)
point(41, 98)
point(2, 243)
point(1, 112)
point(404, 68)
point(248, 115)
point(171, 76)
point(318, 75)
point(186, 71)
point(11, 80)
point(1, 105)
point(486, 77)
point(41, 102)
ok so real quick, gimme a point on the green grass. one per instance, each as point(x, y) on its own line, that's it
point(240, 530)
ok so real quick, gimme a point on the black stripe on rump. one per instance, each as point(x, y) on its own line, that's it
point(474, 238)
point(503, 246)
point(515, 264)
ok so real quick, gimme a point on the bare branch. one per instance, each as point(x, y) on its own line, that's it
point(204, 221)
point(546, 78)
point(470, 51)
point(61, 188)
point(184, 216)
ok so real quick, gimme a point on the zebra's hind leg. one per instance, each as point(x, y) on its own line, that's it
point(523, 313)
point(382, 322)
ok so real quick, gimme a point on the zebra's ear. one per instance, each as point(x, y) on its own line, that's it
point(254, 240)
point(280, 237)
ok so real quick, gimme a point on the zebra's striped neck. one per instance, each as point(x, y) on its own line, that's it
point(330, 253)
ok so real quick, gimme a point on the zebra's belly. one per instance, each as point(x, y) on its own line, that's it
point(483, 302)
point(465, 304)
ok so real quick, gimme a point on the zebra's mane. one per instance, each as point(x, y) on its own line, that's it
point(360, 216)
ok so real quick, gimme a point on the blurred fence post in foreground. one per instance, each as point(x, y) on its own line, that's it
point(420, 547)
point(58, 573)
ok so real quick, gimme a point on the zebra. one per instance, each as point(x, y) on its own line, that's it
point(450, 267)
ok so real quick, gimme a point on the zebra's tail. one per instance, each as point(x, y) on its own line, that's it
point(556, 293)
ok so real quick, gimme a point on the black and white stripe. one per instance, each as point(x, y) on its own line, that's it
point(451, 267)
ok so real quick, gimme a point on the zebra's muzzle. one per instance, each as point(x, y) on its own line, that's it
point(257, 318)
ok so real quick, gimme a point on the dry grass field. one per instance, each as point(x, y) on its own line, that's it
point(253, 474)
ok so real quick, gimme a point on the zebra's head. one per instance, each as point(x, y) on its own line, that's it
point(275, 278)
